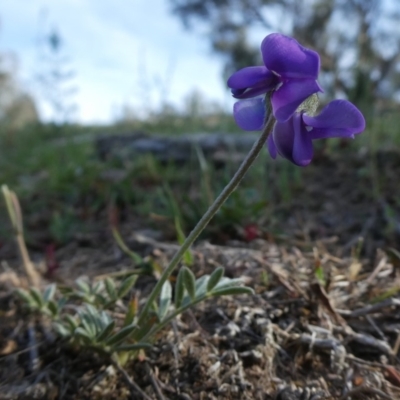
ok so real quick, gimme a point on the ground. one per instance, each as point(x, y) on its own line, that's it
point(323, 322)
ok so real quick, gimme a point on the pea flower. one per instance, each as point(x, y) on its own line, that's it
point(289, 74)
point(293, 138)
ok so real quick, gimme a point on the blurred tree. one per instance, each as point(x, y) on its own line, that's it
point(17, 108)
point(358, 40)
point(56, 77)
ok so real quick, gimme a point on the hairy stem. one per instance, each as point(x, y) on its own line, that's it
point(219, 201)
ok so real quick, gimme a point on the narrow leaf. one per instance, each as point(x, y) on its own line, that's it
point(235, 290)
point(215, 277)
point(132, 310)
point(53, 307)
point(94, 317)
point(83, 286)
point(49, 292)
point(25, 296)
point(106, 332)
point(189, 281)
point(71, 321)
point(201, 285)
point(226, 282)
point(97, 288)
point(133, 347)
point(82, 334)
point(179, 289)
point(121, 335)
point(150, 321)
point(110, 287)
point(165, 299)
point(126, 285)
point(62, 330)
point(37, 296)
point(89, 327)
point(187, 256)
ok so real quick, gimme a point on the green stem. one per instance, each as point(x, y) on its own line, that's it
point(220, 200)
point(157, 327)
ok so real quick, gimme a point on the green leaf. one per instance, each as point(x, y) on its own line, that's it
point(83, 286)
point(37, 297)
point(201, 285)
point(87, 321)
point(61, 302)
point(25, 296)
point(151, 320)
point(179, 289)
point(126, 285)
point(133, 347)
point(89, 327)
point(187, 256)
point(97, 288)
point(189, 280)
point(103, 300)
point(106, 332)
point(228, 282)
point(49, 292)
point(61, 329)
point(121, 335)
point(111, 289)
point(82, 334)
point(131, 313)
point(53, 307)
point(215, 277)
point(233, 290)
point(165, 299)
point(71, 321)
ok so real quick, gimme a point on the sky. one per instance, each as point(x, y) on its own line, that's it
point(122, 51)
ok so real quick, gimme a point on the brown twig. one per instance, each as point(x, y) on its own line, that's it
point(154, 383)
point(131, 383)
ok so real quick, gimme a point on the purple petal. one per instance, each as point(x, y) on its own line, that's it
point(290, 95)
point(283, 136)
point(256, 90)
point(256, 84)
point(302, 147)
point(250, 114)
point(292, 141)
point(286, 57)
point(339, 118)
point(271, 147)
point(248, 77)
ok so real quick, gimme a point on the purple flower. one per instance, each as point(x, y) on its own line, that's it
point(290, 73)
point(293, 138)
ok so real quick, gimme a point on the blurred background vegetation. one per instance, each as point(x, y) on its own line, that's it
point(64, 186)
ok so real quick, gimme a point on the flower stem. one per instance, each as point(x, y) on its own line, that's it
point(219, 201)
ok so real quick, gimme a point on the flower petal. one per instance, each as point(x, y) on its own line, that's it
point(339, 118)
point(302, 147)
point(249, 76)
point(256, 90)
point(286, 57)
point(271, 147)
point(292, 141)
point(250, 114)
point(290, 95)
point(283, 137)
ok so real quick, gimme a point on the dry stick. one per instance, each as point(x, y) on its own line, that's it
point(219, 201)
point(154, 383)
point(15, 214)
point(134, 387)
